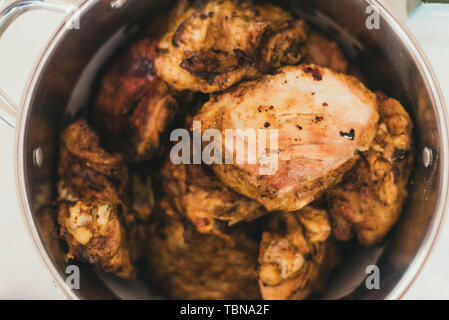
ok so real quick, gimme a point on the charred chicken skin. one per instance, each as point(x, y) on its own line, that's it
point(212, 45)
point(195, 192)
point(93, 213)
point(369, 201)
point(322, 119)
point(296, 255)
point(133, 106)
point(186, 264)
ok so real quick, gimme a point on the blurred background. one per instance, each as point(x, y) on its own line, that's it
point(23, 275)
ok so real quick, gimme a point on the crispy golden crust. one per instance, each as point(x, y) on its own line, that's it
point(94, 212)
point(133, 106)
point(296, 255)
point(370, 200)
point(92, 230)
point(186, 264)
point(195, 192)
point(319, 134)
point(214, 44)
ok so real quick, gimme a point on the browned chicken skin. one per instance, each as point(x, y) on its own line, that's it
point(296, 255)
point(322, 118)
point(186, 264)
point(196, 193)
point(211, 45)
point(198, 236)
point(93, 212)
point(370, 200)
point(133, 106)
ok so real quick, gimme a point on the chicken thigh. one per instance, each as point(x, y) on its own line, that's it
point(370, 200)
point(211, 45)
point(319, 121)
point(133, 107)
point(296, 255)
point(186, 264)
point(93, 209)
point(195, 192)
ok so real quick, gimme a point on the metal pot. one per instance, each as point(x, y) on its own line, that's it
point(388, 57)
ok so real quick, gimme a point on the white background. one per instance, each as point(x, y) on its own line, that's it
point(23, 275)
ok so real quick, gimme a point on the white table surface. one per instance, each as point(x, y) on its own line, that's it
point(23, 275)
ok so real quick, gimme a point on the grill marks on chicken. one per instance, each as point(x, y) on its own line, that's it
point(196, 194)
point(186, 264)
point(368, 203)
point(93, 213)
point(296, 255)
point(323, 120)
point(133, 106)
point(213, 45)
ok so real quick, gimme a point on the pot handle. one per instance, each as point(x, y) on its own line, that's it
point(10, 10)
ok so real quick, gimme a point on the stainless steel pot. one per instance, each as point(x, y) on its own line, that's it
point(388, 57)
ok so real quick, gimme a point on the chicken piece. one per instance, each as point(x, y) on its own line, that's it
point(93, 209)
point(212, 45)
point(324, 52)
point(321, 120)
point(92, 230)
point(195, 192)
point(133, 106)
point(84, 165)
point(186, 264)
point(296, 255)
point(370, 200)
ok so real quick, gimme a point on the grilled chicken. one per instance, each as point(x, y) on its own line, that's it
point(133, 106)
point(92, 230)
point(93, 209)
point(322, 120)
point(370, 200)
point(186, 264)
point(85, 165)
point(296, 255)
point(211, 45)
point(196, 193)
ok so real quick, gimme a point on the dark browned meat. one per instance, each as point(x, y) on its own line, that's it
point(133, 106)
point(371, 198)
point(296, 255)
point(196, 193)
point(215, 44)
point(94, 212)
point(186, 264)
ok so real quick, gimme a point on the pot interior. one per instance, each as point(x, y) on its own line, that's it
point(386, 63)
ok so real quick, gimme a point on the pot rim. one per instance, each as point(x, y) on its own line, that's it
point(432, 235)
point(419, 260)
